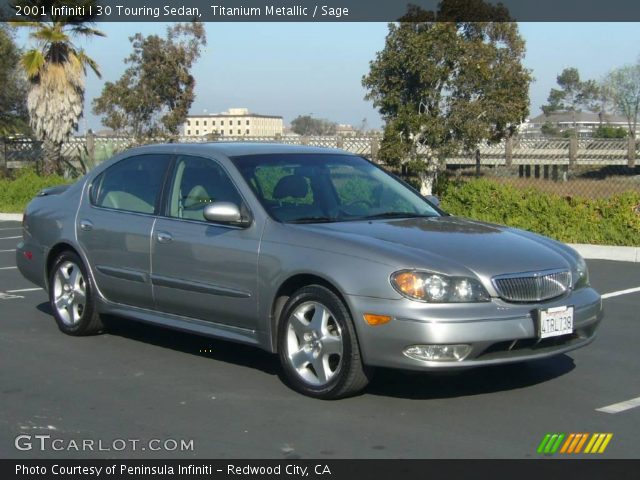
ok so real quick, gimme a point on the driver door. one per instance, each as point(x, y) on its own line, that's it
point(200, 269)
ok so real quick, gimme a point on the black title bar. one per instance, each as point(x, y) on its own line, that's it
point(319, 469)
point(317, 10)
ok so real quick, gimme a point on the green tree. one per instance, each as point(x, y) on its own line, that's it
point(155, 93)
point(573, 94)
point(13, 94)
point(442, 85)
point(609, 131)
point(622, 86)
point(307, 125)
point(56, 70)
point(549, 129)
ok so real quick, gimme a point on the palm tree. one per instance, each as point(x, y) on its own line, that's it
point(56, 70)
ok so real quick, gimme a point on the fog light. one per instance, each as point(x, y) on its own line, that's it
point(438, 353)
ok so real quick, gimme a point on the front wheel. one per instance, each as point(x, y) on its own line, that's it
point(318, 347)
point(71, 296)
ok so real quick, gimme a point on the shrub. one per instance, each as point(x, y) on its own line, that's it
point(609, 221)
point(16, 192)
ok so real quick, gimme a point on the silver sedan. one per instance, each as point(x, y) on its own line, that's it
point(314, 254)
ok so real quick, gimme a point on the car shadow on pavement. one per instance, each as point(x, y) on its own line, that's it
point(468, 382)
point(190, 343)
point(385, 382)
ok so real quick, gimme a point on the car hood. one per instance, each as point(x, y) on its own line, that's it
point(459, 243)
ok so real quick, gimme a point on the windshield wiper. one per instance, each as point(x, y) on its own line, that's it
point(397, 215)
point(317, 219)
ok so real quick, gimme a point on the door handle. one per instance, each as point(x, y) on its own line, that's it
point(86, 225)
point(164, 237)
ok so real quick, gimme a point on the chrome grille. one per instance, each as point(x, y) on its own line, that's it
point(532, 286)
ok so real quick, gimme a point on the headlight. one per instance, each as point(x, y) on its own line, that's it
point(436, 288)
point(582, 274)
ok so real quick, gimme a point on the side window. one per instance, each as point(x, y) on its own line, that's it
point(197, 182)
point(132, 185)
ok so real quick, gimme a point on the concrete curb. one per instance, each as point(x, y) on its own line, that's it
point(602, 252)
point(593, 252)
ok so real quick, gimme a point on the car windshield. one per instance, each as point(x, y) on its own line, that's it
point(321, 188)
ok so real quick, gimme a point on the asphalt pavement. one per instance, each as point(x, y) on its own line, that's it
point(156, 391)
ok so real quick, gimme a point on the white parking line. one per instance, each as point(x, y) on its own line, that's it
point(9, 296)
point(10, 238)
point(24, 290)
point(620, 407)
point(8, 268)
point(12, 228)
point(10, 250)
point(620, 292)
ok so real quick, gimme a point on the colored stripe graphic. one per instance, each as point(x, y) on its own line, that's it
point(598, 442)
point(572, 443)
point(550, 443)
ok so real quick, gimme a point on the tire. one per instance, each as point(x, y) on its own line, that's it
point(71, 296)
point(318, 347)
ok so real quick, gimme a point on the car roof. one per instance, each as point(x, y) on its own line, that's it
point(238, 149)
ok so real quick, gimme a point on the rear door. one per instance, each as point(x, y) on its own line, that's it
point(114, 227)
point(201, 269)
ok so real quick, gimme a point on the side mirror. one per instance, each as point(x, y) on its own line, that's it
point(224, 212)
point(433, 199)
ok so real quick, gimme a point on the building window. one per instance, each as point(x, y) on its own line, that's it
point(221, 132)
point(197, 123)
point(247, 131)
point(188, 132)
point(205, 123)
point(247, 122)
point(197, 131)
point(239, 132)
point(222, 123)
point(188, 123)
point(213, 123)
point(238, 122)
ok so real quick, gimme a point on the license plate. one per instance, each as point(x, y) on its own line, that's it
point(554, 322)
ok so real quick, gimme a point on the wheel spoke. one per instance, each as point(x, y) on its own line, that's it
point(79, 297)
point(331, 344)
point(75, 313)
point(61, 277)
point(319, 319)
point(60, 302)
point(69, 314)
point(320, 369)
point(298, 322)
point(74, 277)
point(300, 359)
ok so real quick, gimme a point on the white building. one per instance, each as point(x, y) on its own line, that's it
point(236, 122)
point(584, 123)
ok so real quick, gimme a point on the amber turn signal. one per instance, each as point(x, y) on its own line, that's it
point(375, 320)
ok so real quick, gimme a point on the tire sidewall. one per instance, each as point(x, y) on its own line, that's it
point(343, 318)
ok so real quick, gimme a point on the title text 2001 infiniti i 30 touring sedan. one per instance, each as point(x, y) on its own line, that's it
point(315, 254)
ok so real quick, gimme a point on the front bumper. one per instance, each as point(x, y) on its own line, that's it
point(497, 331)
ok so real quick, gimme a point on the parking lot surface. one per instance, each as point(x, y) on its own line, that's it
point(138, 383)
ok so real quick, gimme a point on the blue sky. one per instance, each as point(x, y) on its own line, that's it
point(291, 69)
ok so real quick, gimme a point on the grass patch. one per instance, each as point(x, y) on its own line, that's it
point(18, 189)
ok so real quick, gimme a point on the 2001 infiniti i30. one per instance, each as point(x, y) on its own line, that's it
point(315, 254)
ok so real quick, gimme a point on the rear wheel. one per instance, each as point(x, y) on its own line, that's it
point(71, 296)
point(318, 347)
